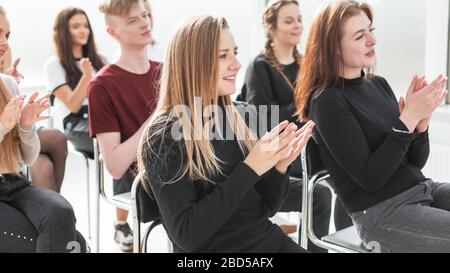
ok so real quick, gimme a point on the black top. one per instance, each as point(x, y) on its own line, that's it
point(265, 86)
point(361, 145)
point(228, 216)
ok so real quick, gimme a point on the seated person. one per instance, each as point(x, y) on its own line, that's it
point(121, 98)
point(217, 185)
point(373, 147)
point(69, 72)
point(50, 215)
point(48, 169)
point(270, 81)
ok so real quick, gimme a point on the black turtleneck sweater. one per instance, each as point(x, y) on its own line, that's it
point(265, 86)
point(363, 143)
point(228, 216)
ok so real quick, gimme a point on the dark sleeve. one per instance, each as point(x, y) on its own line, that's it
point(260, 90)
point(346, 142)
point(420, 148)
point(273, 189)
point(419, 151)
point(191, 220)
point(102, 115)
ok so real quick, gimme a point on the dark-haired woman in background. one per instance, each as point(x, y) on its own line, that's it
point(69, 73)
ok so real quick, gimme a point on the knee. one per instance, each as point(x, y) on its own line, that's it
point(46, 166)
point(60, 141)
point(60, 212)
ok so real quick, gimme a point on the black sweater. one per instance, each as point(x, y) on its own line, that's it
point(368, 160)
point(230, 216)
point(265, 86)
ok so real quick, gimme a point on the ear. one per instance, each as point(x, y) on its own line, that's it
point(111, 32)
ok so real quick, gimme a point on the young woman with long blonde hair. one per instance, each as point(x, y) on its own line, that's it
point(215, 191)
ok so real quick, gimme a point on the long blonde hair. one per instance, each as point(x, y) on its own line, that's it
point(270, 19)
point(191, 71)
point(9, 151)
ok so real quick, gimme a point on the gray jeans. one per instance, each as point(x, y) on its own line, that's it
point(417, 220)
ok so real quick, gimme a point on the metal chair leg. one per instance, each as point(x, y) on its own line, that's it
point(98, 175)
point(88, 194)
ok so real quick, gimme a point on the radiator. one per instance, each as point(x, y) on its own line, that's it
point(438, 165)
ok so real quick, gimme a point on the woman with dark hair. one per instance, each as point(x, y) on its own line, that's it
point(373, 147)
point(69, 73)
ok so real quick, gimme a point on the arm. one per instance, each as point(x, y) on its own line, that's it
point(30, 145)
point(261, 92)
point(273, 188)
point(191, 221)
point(105, 126)
point(419, 150)
point(57, 83)
point(73, 99)
point(346, 141)
point(111, 150)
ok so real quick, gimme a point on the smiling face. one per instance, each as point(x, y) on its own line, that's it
point(358, 44)
point(79, 29)
point(4, 34)
point(229, 65)
point(289, 25)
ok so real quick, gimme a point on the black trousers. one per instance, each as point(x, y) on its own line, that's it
point(34, 219)
point(321, 210)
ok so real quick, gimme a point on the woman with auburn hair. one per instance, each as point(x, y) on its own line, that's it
point(373, 146)
point(215, 191)
point(69, 73)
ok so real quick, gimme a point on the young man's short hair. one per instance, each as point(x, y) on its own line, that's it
point(117, 7)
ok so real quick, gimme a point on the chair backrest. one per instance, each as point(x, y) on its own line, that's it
point(313, 161)
point(147, 208)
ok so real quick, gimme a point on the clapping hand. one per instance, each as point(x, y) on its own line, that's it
point(11, 113)
point(31, 112)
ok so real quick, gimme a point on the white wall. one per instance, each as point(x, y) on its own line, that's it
point(32, 22)
point(412, 34)
point(412, 38)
